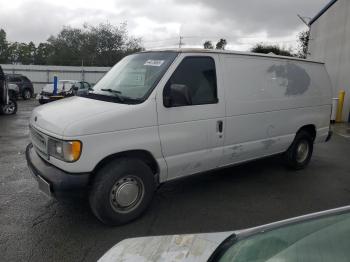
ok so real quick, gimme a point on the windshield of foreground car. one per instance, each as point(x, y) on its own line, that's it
point(135, 76)
point(325, 239)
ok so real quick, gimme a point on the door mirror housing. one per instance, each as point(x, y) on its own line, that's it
point(177, 95)
point(75, 88)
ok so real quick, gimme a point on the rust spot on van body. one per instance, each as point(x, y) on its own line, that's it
point(268, 143)
point(236, 150)
point(295, 78)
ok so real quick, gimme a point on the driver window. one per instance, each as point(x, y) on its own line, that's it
point(199, 76)
point(86, 85)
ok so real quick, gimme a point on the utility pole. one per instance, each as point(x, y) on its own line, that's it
point(180, 42)
point(82, 70)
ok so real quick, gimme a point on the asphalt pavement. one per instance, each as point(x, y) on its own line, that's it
point(34, 227)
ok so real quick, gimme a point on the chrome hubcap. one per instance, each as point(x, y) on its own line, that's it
point(9, 108)
point(126, 194)
point(302, 151)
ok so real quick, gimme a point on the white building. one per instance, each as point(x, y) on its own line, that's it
point(41, 75)
point(330, 42)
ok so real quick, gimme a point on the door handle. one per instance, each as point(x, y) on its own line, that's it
point(219, 126)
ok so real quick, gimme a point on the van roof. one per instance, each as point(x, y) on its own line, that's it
point(201, 50)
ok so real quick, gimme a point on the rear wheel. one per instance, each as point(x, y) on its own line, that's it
point(10, 108)
point(121, 191)
point(26, 94)
point(299, 153)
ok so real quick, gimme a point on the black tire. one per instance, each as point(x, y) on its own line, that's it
point(108, 182)
point(13, 95)
point(26, 94)
point(9, 109)
point(42, 101)
point(294, 157)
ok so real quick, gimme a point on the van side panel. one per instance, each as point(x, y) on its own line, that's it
point(268, 101)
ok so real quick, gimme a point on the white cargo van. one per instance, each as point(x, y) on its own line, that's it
point(161, 115)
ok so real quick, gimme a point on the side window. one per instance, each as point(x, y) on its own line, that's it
point(192, 83)
point(86, 85)
point(14, 79)
point(17, 79)
point(25, 79)
point(78, 85)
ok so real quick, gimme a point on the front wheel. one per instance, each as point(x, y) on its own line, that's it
point(10, 108)
point(121, 191)
point(299, 153)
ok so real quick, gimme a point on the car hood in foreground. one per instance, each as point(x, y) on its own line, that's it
point(192, 247)
point(313, 237)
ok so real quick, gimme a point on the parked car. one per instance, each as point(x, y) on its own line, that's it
point(8, 104)
point(26, 90)
point(65, 88)
point(322, 236)
point(161, 115)
point(13, 91)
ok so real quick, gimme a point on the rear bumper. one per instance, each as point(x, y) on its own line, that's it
point(54, 181)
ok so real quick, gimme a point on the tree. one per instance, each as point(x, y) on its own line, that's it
point(43, 51)
point(266, 49)
point(102, 45)
point(303, 39)
point(3, 47)
point(13, 53)
point(221, 44)
point(25, 53)
point(208, 45)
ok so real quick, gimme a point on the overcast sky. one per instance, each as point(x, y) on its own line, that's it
point(160, 22)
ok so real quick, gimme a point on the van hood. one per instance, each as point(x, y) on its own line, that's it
point(77, 116)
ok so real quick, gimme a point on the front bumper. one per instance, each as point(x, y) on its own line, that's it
point(54, 181)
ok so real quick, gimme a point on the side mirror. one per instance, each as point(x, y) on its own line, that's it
point(75, 88)
point(177, 95)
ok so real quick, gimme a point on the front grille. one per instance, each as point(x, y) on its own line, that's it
point(39, 141)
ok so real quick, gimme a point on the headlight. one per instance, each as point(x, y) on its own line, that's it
point(68, 151)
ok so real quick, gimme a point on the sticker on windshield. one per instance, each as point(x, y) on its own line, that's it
point(154, 62)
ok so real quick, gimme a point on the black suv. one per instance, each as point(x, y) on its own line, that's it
point(25, 86)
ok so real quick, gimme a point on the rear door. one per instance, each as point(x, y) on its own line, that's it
point(192, 135)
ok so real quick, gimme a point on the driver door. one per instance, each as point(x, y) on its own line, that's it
point(192, 134)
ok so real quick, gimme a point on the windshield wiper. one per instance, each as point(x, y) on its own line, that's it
point(116, 92)
point(111, 90)
point(121, 98)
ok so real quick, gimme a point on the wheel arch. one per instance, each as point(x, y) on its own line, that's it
point(142, 155)
point(310, 128)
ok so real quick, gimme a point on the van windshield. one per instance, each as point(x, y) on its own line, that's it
point(135, 76)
